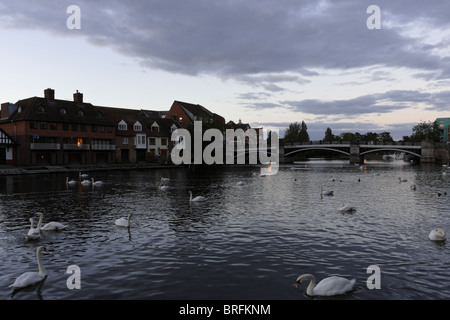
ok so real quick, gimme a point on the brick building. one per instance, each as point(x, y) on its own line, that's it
point(49, 131)
point(185, 114)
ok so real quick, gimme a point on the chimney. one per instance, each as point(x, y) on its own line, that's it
point(8, 109)
point(78, 97)
point(49, 94)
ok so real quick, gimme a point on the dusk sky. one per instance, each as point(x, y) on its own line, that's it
point(267, 62)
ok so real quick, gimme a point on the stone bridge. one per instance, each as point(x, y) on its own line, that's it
point(426, 151)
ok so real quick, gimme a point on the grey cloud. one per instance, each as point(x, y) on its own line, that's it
point(367, 104)
point(232, 38)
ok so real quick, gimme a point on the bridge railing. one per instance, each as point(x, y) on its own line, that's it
point(316, 142)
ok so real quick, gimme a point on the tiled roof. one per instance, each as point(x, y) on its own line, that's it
point(41, 109)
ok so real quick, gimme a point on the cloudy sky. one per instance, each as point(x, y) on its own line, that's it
point(267, 62)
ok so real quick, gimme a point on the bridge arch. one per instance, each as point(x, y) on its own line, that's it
point(316, 148)
point(391, 149)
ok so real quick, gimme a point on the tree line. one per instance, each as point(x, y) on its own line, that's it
point(425, 130)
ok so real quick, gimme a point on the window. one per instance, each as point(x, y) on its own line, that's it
point(137, 126)
point(123, 126)
point(74, 127)
point(53, 126)
point(152, 141)
point(125, 141)
point(109, 129)
point(33, 125)
point(155, 127)
point(82, 127)
point(94, 128)
point(62, 111)
point(139, 139)
point(43, 125)
point(101, 129)
point(40, 108)
point(164, 141)
point(80, 113)
point(65, 126)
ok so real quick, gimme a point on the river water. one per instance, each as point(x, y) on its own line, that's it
point(247, 241)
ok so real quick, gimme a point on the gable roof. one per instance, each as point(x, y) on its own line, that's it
point(194, 111)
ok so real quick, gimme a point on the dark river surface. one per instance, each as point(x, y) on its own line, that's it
point(247, 241)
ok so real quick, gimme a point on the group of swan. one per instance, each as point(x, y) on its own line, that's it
point(87, 182)
point(334, 285)
point(343, 208)
point(35, 233)
point(83, 181)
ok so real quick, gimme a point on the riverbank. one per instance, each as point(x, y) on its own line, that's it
point(15, 170)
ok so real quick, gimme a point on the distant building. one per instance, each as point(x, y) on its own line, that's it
point(444, 129)
point(185, 114)
point(141, 135)
point(232, 125)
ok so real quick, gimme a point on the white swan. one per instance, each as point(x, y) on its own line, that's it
point(83, 176)
point(326, 193)
point(327, 287)
point(123, 222)
point(30, 278)
point(51, 225)
point(346, 208)
point(164, 188)
point(196, 199)
point(165, 179)
point(33, 233)
point(71, 182)
point(96, 183)
point(437, 235)
point(86, 182)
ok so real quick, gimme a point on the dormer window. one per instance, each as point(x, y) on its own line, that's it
point(123, 126)
point(62, 111)
point(80, 113)
point(40, 108)
point(99, 115)
point(155, 127)
point(137, 126)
